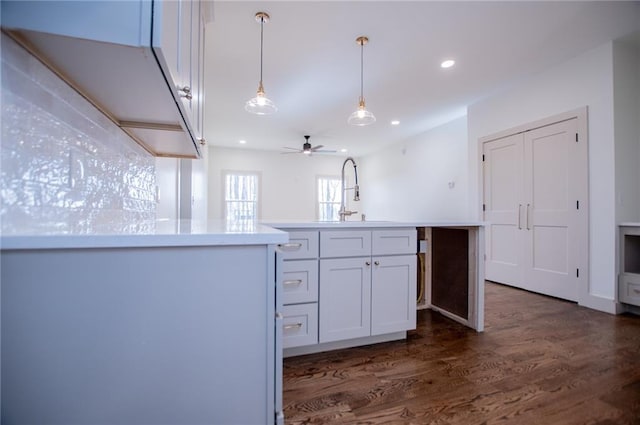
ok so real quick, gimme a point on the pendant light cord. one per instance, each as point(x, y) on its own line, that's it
point(261, 44)
point(361, 70)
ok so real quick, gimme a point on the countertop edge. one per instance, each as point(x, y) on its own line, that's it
point(139, 241)
point(368, 224)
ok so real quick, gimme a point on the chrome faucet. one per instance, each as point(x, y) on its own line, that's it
point(343, 190)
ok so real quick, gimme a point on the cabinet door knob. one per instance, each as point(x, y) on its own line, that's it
point(368, 263)
point(186, 92)
point(202, 141)
point(377, 263)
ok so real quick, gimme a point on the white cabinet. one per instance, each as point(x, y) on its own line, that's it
point(345, 298)
point(393, 294)
point(300, 325)
point(299, 283)
point(138, 62)
point(363, 296)
point(629, 277)
point(181, 335)
point(345, 243)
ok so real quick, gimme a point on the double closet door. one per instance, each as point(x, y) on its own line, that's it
point(535, 203)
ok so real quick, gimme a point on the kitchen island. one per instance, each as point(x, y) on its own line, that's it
point(356, 283)
point(172, 326)
point(185, 324)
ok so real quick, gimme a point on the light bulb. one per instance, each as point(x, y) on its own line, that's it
point(261, 100)
point(361, 113)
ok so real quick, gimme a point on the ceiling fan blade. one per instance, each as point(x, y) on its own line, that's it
point(285, 153)
point(315, 148)
point(293, 149)
point(325, 151)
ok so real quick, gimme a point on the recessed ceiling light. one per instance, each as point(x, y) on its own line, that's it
point(343, 150)
point(242, 142)
point(448, 63)
point(395, 122)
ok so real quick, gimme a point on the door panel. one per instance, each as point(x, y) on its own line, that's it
point(345, 298)
point(533, 183)
point(503, 208)
point(393, 294)
point(550, 228)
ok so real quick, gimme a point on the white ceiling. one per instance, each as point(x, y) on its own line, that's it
point(312, 63)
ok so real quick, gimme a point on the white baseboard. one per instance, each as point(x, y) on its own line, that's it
point(606, 305)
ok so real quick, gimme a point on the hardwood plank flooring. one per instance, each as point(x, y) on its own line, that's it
point(540, 361)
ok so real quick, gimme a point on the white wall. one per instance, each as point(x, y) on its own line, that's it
point(410, 181)
point(626, 69)
point(288, 182)
point(583, 80)
point(65, 166)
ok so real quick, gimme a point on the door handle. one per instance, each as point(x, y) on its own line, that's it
point(519, 216)
point(528, 227)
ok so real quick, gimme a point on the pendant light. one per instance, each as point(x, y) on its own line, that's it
point(261, 105)
point(361, 116)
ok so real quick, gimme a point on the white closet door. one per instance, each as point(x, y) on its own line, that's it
point(552, 223)
point(503, 188)
point(535, 194)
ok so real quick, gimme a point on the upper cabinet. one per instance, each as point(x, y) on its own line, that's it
point(140, 62)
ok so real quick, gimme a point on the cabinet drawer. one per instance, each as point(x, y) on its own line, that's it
point(300, 325)
point(396, 241)
point(629, 288)
point(345, 243)
point(299, 281)
point(301, 245)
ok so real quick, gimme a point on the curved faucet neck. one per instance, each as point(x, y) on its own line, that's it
point(343, 189)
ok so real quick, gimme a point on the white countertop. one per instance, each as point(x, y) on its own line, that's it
point(366, 224)
point(629, 224)
point(194, 233)
point(164, 233)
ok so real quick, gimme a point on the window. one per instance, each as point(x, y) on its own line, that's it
point(240, 196)
point(329, 197)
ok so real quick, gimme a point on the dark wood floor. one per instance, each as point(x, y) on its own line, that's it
point(539, 361)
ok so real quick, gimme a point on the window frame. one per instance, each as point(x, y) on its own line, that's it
point(318, 202)
point(258, 201)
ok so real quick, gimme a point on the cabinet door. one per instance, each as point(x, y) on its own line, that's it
point(393, 294)
point(345, 243)
point(394, 241)
point(300, 281)
point(345, 298)
point(299, 325)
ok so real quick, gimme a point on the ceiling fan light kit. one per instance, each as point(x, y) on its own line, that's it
point(307, 149)
point(361, 116)
point(261, 104)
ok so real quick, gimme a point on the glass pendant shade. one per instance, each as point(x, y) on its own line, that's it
point(361, 116)
point(260, 105)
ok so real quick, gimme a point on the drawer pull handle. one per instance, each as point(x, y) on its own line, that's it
point(291, 246)
point(292, 282)
point(293, 326)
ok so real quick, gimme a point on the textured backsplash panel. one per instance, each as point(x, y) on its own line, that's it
point(65, 167)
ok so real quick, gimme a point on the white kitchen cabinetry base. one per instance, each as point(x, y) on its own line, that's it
point(181, 335)
point(347, 343)
point(629, 274)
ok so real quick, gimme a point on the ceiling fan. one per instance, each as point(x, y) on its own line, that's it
point(307, 149)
